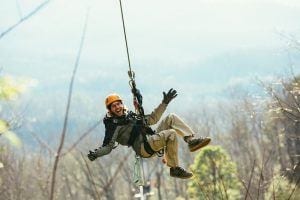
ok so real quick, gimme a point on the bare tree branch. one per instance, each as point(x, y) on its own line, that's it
point(81, 137)
point(26, 17)
point(42, 143)
point(291, 39)
point(117, 171)
point(91, 177)
point(281, 103)
point(245, 187)
point(294, 189)
point(63, 134)
point(249, 183)
point(293, 97)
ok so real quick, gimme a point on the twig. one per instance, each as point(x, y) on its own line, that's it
point(38, 8)
point(244, 185)
point(273, 188)
point(290, 39)
point(259, 181)
point(91, 177)
point(249, 183)
point(204, 192)
point(220, 189)
point(225, 189)
point(110, 181)
point(66, 178)
point(264, 164)
point(41, 142)
point(296, 101)
point(81, 137)
point(153, 168)
point(63, 134)
point(294, 189)
point(280, 103)
point(261, 176)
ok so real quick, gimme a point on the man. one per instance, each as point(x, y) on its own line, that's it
point(126, 128)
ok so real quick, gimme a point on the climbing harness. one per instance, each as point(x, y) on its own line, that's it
point(138, 128)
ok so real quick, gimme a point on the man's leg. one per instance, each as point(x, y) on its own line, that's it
point(167, 139)
point(172, 121)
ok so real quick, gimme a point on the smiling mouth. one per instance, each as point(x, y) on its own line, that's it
point(119, 111)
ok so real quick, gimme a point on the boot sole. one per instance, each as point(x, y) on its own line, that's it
point(203, 144)
point(183, 177)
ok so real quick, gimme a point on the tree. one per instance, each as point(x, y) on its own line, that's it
point(215, 175)
point(9, 90)
point(286, 112)
point(282, 188)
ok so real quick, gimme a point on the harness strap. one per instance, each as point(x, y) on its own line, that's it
point(148, 148)
point(139, 129)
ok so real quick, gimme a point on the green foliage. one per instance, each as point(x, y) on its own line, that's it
point(9, 89)
point(3, 126)
point(215, 175)
point(11, 136)
point(280, 188)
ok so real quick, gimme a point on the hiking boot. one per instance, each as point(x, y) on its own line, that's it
point(179, 172)
point(197, 143)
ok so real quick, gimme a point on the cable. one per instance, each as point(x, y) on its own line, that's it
point(124, 31)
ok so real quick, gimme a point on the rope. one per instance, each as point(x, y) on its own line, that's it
point(124, 31)
point(130, 72)
point(138, 175)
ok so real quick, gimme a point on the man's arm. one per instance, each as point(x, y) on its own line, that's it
point(111, 132)
point(104, 150)
point(155, 116)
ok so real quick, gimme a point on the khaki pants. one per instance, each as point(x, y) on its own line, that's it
point(166, 137)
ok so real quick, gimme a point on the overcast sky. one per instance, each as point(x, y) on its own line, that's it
point(200, 47)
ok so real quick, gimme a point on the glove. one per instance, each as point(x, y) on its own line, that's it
point(169, 96)
point(138, 95)
point(92, 155)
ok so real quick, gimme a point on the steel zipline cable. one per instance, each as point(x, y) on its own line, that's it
point(138, 99)
point(124, 31)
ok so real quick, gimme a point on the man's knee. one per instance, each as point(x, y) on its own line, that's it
point(171, 135)
point(171, 117)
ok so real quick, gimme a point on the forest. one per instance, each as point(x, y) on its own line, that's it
point(254, 153)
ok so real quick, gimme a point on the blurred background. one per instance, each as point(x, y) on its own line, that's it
point(235, 65)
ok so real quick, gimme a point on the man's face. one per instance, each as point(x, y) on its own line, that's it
point(117, 108)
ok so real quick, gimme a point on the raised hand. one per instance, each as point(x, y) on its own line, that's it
point(169, 96)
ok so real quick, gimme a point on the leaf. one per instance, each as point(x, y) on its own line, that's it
point(13, 138)
point(9, 89)
point(3, 126)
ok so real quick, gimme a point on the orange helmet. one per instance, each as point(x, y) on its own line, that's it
point(112, 98)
